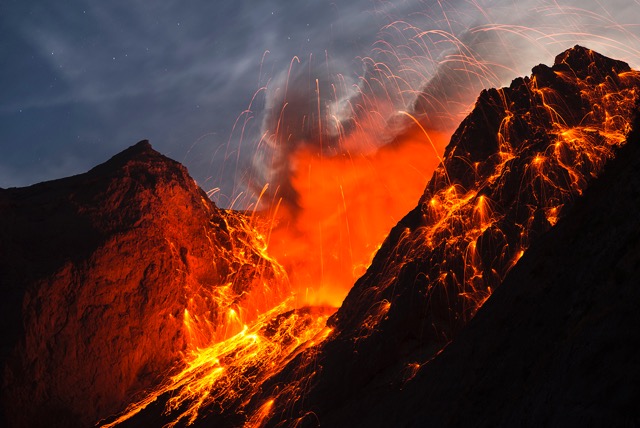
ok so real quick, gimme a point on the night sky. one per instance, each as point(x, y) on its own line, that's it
point(82, 80)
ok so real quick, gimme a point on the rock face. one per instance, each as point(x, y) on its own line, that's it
point(513, 168)
point(108, 277)
point(556, 345)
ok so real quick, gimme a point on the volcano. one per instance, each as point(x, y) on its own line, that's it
point(505, 297)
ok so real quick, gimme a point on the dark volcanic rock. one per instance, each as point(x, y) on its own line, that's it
point(556, 345)
point(513, 167)
point(99, 274)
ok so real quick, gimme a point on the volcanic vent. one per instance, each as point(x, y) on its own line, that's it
point(140, 291)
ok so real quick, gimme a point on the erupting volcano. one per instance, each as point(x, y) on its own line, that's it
point(130, 299)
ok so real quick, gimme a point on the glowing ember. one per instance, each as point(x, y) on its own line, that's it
point(228, 373)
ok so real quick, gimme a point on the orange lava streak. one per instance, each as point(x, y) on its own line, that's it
point(230, 372)
point(456, 218)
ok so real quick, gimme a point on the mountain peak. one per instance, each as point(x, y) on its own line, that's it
point(142, 147)
point(585, 62)
point(575, 53)
point(140, 153)
point(94, 270)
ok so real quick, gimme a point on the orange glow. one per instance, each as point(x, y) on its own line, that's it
point(233, 370)
point(348, 205)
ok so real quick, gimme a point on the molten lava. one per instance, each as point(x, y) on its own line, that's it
point(523, 155)
point(227, 374)
point(348, 203)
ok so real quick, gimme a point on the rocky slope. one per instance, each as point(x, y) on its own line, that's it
point(107, 278)
point(513, 168)
point(556, 345)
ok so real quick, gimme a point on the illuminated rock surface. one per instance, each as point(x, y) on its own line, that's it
point(95, 271)
point(556, 345)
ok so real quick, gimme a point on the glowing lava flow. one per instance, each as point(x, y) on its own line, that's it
point(228, 373)
point(522, 156)
point(253, 284)
point(238, 332)
point(543, 139)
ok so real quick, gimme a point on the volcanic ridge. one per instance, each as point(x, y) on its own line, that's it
point(506, 297)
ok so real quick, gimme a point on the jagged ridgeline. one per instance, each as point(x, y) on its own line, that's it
point(512, 168)
point(130, 299)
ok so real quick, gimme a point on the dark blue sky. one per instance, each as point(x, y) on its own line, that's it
point(81, 80)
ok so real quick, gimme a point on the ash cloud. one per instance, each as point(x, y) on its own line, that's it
point(433, 63)
point(300, 114)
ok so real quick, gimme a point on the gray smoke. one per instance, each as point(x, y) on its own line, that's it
point(302, 111)
point(433, 63)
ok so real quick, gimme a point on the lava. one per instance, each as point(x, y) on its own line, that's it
point(226, 374)
point(271, 320)
point(523, 155)
point(458, 212)
point(340, 161)
point(214, 313)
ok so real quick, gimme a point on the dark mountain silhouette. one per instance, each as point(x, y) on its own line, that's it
point(96, 272)
point(556, 345)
